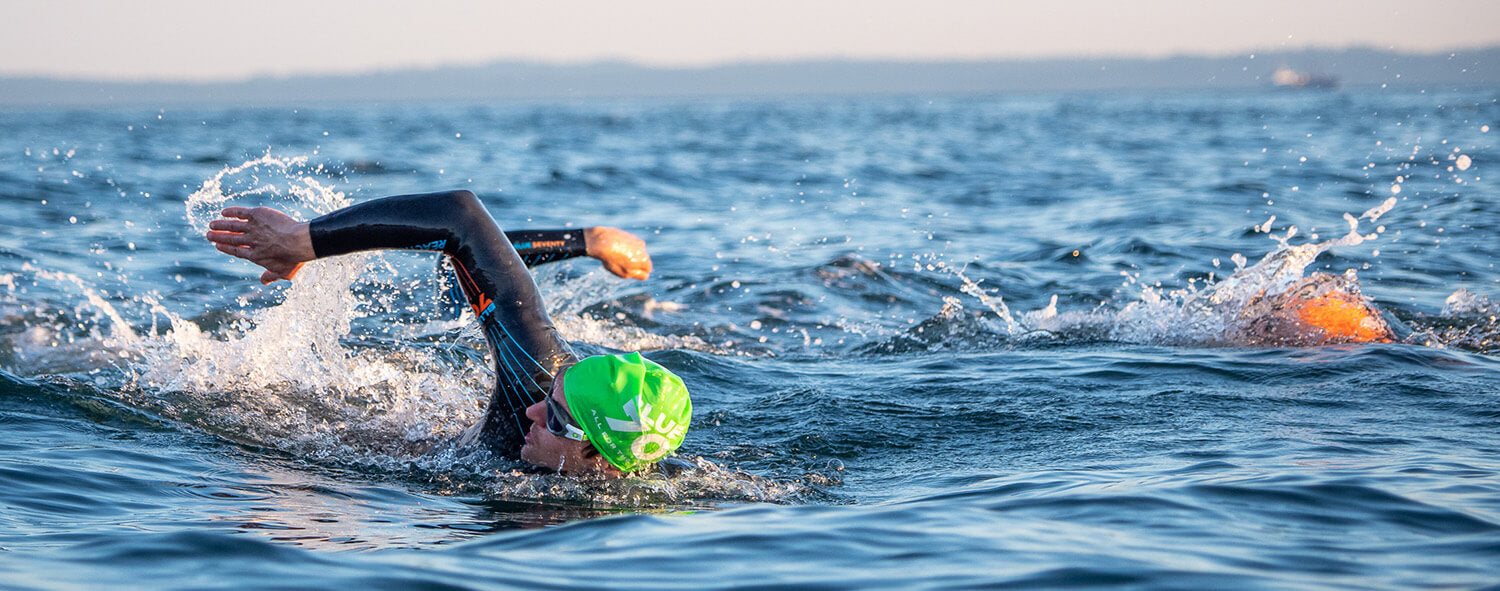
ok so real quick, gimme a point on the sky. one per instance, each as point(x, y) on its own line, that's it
point(204, 40)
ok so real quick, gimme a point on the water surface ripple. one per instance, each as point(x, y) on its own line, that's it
point(934, 342)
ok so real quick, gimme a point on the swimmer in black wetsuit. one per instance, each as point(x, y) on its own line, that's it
point(606, 414)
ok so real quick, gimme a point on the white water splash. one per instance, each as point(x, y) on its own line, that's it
point(1211, 314)
point(81, 339)
point(290, 375)
point(991, 299)
point(288, 183)
point(695, 481)
point(568, 295)
point(1215, 313)
point(286, 375)
point(1462, 302)
point(297, 375)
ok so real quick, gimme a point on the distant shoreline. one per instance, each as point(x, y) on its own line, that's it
point(522, 81)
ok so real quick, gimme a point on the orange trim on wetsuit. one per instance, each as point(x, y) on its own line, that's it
point(536, 247)
point(525, 345)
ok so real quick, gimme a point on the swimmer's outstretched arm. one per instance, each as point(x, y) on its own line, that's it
point(280, 244)
point(524, 344)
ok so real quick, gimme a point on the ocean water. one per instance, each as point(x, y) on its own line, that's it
point(933, 342)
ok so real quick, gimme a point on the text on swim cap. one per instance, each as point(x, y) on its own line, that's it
point(661, 429)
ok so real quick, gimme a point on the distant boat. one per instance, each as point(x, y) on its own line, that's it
point(1285, 77)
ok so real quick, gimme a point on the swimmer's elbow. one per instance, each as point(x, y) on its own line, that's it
point(462, 199)
point(462, 205)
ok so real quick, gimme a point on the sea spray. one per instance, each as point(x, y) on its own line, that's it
point(324, 366)
point(284, 375)
point(288, 184)
point(298, 366)
point(1213, 314)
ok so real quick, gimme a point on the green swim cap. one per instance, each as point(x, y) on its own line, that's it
point(634, 411)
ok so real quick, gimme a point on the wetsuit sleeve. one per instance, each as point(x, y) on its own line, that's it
point(538, 247)
point(525, 345)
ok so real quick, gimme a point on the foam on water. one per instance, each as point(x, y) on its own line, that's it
point(307, 374)
point(282, 376)
point(302, 374)
point(986, 454)
point(1467, 321)
point(568, 295)
point(279, 376)
point(1218, 313)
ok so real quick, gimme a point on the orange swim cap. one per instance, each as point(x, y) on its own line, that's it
point(1343, 317)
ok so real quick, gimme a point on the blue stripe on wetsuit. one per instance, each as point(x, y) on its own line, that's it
point(536, 247)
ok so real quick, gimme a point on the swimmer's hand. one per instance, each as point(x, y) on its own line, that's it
point(621, 252)
point(263, 236)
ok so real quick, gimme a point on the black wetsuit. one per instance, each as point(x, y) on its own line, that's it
point(492, 274)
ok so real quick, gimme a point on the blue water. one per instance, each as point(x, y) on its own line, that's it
point(859, 292)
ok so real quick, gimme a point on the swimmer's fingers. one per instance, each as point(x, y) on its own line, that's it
point(229, 238)
point(270, 277)
point(228, 225)
point(245, 247)
point(643, 267)
point(243, 213)
point(252, 215)
point(639, 270)
point(621, 252)
point(234, 251)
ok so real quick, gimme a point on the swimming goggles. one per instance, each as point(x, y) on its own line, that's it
point(560, 422)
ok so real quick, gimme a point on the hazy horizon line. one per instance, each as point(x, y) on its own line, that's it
point(646, 64)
